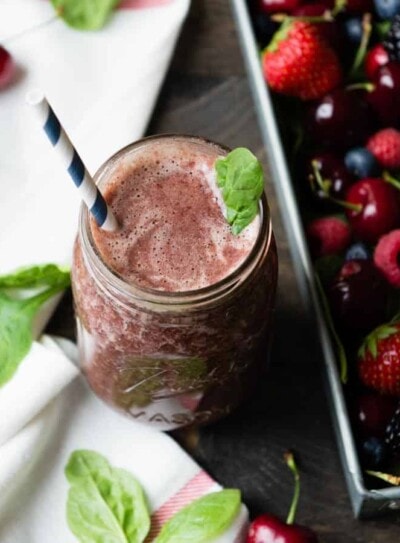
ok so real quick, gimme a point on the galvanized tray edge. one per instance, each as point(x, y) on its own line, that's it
point(366, 503)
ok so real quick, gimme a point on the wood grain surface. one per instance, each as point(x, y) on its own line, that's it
point(206, 93)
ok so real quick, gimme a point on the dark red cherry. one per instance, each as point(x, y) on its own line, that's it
point(277, 6)
point(384, 98)
point(376, 209)
point(334, 175)
point(358, 297)
point(351, 6)
point(340, 120)
point(7, 67)
point(375, 58)
point(372, 413)
point(270, 529)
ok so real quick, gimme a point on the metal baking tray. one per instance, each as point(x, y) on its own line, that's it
point(365, 502)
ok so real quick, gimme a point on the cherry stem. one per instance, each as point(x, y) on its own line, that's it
point(338, 7)
point(387, 477)
point(369, 87)
point(324, 185)
point(290, 461)
point(324, 18)
point(391, 180)
point(362, 48)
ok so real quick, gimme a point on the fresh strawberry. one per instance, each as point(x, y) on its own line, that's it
point(387, 257)
point(392, 435)
point(379, 359)
point(328, 236)
point(385, 146)
point(300, 63)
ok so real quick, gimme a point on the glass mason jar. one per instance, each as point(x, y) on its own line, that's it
point(172, 359)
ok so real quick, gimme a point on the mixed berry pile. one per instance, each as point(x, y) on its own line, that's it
point(334, 69)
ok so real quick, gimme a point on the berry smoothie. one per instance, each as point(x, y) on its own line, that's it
point(173, 309)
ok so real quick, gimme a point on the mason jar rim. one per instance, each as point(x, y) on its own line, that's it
point(118, 287)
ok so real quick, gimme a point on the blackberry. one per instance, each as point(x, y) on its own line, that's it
point(392, 40)
point(392, 437)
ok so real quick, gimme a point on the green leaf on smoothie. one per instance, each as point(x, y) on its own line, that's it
point(105, 504)
point(85, 14)
point(16, 314)
point(202, 520)
point(241, 180)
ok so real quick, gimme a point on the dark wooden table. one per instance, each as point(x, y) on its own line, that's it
point(206, 93)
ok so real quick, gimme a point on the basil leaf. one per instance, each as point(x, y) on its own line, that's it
point(202, 520)
point(16, 318)
point(85, 14)
point(105, 504)
point(241, 180)
point(35, 276)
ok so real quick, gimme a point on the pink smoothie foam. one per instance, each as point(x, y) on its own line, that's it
point(173, 235)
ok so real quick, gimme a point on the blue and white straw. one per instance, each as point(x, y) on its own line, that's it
point(72, 161)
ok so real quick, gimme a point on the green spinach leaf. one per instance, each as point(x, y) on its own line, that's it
point(35, 276)
point(16, 318)
point(202, 520)
point(241, 179)
point(105, 504)
point(85, 14)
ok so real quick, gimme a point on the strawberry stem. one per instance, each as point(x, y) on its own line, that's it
point(325, 185)
point(391, 180)
point(362, 48)
point(290, 461)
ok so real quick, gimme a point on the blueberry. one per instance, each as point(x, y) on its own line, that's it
point(354, 29)
point(358, 251)
point(374, 452)
point(361, 163)
point(386, 9)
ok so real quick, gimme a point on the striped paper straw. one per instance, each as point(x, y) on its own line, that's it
point(71, 160)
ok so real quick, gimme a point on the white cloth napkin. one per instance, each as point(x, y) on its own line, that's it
point(32, 468)
point(103, 86)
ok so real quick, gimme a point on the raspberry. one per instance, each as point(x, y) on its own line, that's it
point(387, 257)
point(385, 146)
point(328, 236)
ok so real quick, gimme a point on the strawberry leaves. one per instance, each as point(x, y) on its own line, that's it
point(370, 343)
